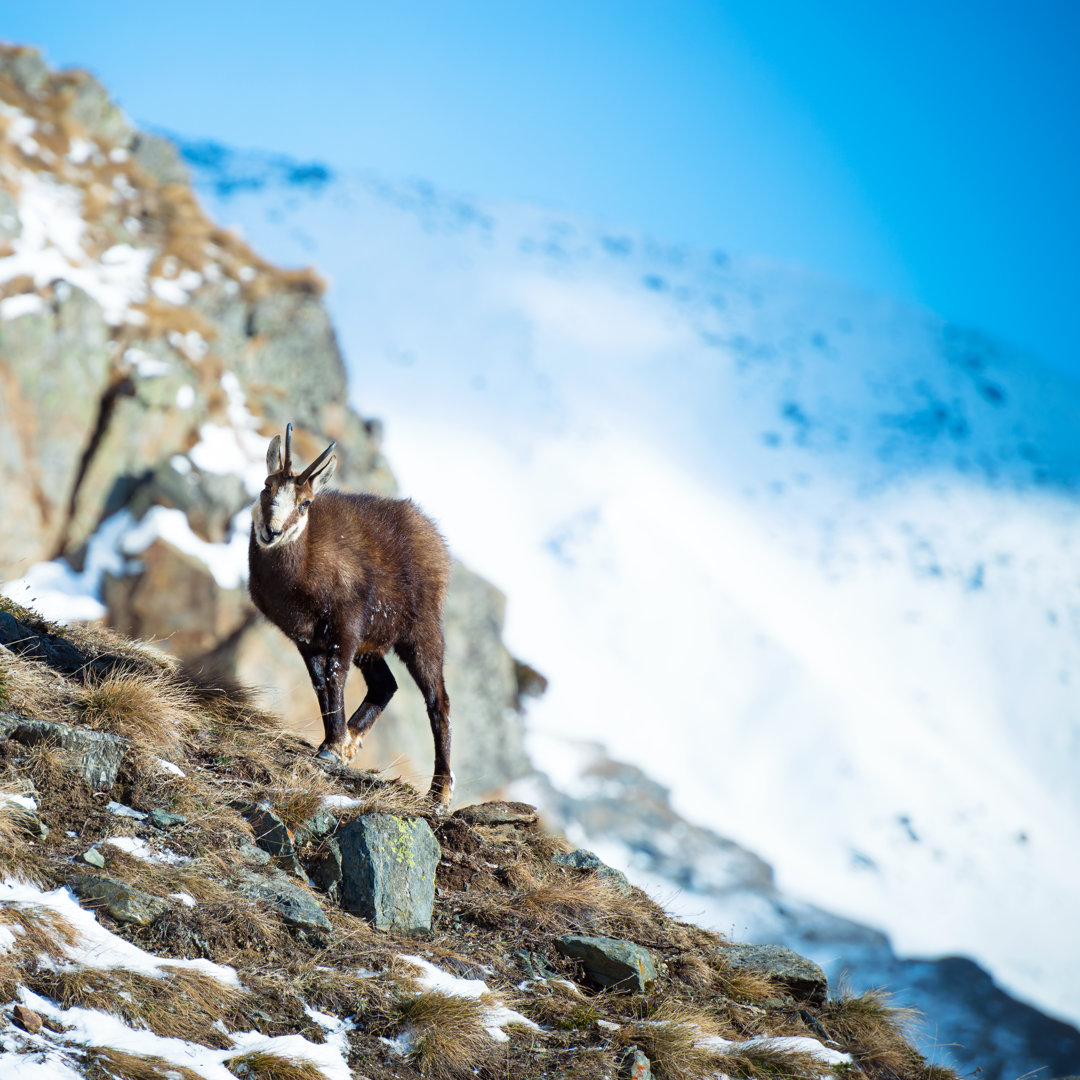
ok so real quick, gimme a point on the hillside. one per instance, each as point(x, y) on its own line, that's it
point(757, 524)
point(193, 827)
point(538, 402)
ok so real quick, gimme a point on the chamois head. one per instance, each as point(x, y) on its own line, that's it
point(280, 515)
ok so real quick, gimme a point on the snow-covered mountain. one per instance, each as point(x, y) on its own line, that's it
point(808, 557)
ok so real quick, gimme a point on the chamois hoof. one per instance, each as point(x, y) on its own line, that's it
point(324, 753)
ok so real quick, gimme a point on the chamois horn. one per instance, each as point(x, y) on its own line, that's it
point(314, 466)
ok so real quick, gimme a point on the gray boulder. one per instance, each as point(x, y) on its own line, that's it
point(802, 978)
point(298, 908)
point(586, 860)
point(610, 962)
point(94, 755)
point(498, 813)
point(123, 902)
point(388, 871)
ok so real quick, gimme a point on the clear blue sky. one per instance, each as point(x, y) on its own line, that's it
point(927, 150)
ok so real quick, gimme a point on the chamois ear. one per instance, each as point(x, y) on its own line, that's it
point(320, 479)
point(273, 456)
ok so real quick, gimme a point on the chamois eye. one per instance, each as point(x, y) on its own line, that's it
point(305, 504)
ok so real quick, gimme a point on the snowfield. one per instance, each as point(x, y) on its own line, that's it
point(806, 556)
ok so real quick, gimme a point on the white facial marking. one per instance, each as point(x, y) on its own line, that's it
point(282, 507)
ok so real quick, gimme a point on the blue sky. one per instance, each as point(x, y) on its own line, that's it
point(926, 150)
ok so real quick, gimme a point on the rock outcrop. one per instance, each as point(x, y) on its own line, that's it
point(148, 355)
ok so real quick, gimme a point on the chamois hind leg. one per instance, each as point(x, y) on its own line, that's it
point(425, 664)
point(381, 686)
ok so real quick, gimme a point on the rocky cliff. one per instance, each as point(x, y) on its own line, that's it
point(146, 357)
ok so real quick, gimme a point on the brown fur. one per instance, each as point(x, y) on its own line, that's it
point(364, 575)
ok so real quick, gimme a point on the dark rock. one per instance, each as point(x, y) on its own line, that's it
point(273, 836)
point(324, 869)
point(297, 907)
point(93, 857)
point(801, 977)
point(27, 1019)
point(165, 819)
point(610, 962)
point(94, 755)
point(57, 652)
point(388, 871)
point(535, 966)
point(498, 813)
point(635, 1065)
point(123, 902)
point(315, 828)
point(586, 860)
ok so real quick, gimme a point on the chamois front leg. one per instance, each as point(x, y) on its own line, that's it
point(328, 680)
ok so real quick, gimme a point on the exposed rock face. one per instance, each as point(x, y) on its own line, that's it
point(123, 902)
point(94, 755)
point(388, 871)
point(801, 977)
point(620, 965)
point(298, 908)
point(148, 357)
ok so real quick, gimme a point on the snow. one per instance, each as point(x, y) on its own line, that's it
point(495, 1016)
point(96, 947)
point(15, 307)
point(169, 767)
point(92, 1027)
point(138, 847)
point(120, 810)
point(64, 595)
point(750, 521)
point(25, 802)
point(226, 561)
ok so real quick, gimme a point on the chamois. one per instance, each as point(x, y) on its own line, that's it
point(347, 578)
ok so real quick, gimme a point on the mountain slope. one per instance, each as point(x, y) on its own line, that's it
point(755, 525)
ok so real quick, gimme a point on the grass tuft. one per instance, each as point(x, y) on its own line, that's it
point(447, 1033)
point(262, 1065)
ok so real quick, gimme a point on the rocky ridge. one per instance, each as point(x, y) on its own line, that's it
point(148, 357)
point(219, 903)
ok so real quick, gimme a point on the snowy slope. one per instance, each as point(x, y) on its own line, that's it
point(808, 557)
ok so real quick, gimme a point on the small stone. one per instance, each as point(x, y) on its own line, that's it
point(586, 860)
point(610, 962)
point(27, 1019)
point(298, 908)
point(799, 976)
point(123, 902)
point(635, 1065)
point(535, 966)
point(273, 836)
point(252, 854)
point(94, 858)
point(166, 819)
point(120, 810)
point(498, 813)
point(606, 1025)
point(388, 871)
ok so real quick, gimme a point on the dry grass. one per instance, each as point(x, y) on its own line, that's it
point(758, 1062)
point(261, 1065)
point(153, 710)
point(120, 1065)
point(446, 1031)
point(33, 689)
point(874, 1031)
point(184, 1005)
point(671, 1040)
